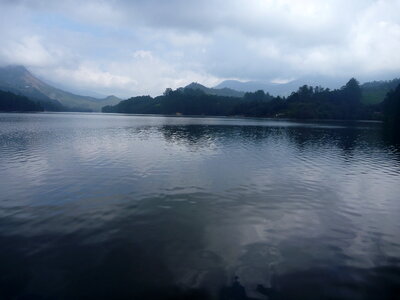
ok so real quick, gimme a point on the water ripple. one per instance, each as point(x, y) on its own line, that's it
point(190, 203)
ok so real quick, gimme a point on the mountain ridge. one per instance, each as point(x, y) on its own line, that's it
point(277, 89)
point(215, 91)
point(373, 91)
point(18, 79)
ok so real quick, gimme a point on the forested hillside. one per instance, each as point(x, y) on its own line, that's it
point(306, 103)
point(13, 102)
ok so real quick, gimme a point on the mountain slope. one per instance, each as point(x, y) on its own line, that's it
point(227, 92)
point(275, 89)
point(278, 89)
point(13, 102)
point(19, 80)
point(375, 92)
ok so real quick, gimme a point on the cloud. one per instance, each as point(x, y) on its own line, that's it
point(28, 51)
point(142, 47)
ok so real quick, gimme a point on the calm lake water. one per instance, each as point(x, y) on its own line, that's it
point(96, 206)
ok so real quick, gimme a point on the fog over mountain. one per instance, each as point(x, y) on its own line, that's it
point(19, 80)
point(281, 88)
point(218, 91)
point(128, 48)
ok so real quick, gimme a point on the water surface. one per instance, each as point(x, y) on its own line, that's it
point(97, 206)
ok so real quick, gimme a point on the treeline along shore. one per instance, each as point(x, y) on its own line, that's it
point(350, 102)
point(10, 102)
point(306, 103)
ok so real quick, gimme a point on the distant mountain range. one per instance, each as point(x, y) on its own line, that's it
point(215, 91)
point(373, 92)
point(19, 80)
point(280, 89)
point(252, 86)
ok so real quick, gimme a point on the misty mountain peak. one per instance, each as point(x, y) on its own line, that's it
point(15, 68)
point(194, 85)
point(18, 79)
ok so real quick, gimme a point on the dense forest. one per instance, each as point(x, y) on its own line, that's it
point(374, 92)
point(13, 102)
point(391, 107)
point(306, 103)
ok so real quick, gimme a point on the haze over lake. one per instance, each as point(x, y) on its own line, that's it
point(108, 206)
point(200, 150)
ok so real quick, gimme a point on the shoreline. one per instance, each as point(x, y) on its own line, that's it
point(194, 116)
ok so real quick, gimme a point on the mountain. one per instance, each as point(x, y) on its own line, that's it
point(306, 103)
point(275, 89)
point(245, 86)
point(280, 89)
point(375, 91)
point(12, 102)
point(19, 80)
point(227, 92)
point(12, 79)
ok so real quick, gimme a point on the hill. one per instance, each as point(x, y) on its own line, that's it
point(306, 103)
point(391, 108)
point(19, 80)
point(11, 102)
point(252, 86)
point(280, 89)
point(374, 92)
point(225, 92)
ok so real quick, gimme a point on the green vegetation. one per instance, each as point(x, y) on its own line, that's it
point(13, 102)
point(375, 92)
point(307, 103)
point(215, 91)
point(181, 101)
point(391, 107)
point(19, 80)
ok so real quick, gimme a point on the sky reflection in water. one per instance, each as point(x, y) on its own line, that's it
point(109, 206)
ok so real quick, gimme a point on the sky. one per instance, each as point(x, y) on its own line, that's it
point(137, 47)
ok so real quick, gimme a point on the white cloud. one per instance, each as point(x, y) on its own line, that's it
point(86, 75)
point(142, 47)
point(27, 51)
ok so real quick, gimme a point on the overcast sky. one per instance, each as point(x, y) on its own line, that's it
point(143, 46)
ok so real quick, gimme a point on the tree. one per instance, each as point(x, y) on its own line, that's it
point(350, 98)
point(391, 108)
point(256, 96)
point(352, 92)
point(167, 91)
point(307, 103)
point(13, 102)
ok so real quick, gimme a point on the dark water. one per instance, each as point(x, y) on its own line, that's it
point(139, 207)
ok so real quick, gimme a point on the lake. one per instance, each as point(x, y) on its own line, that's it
point(105, 206)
